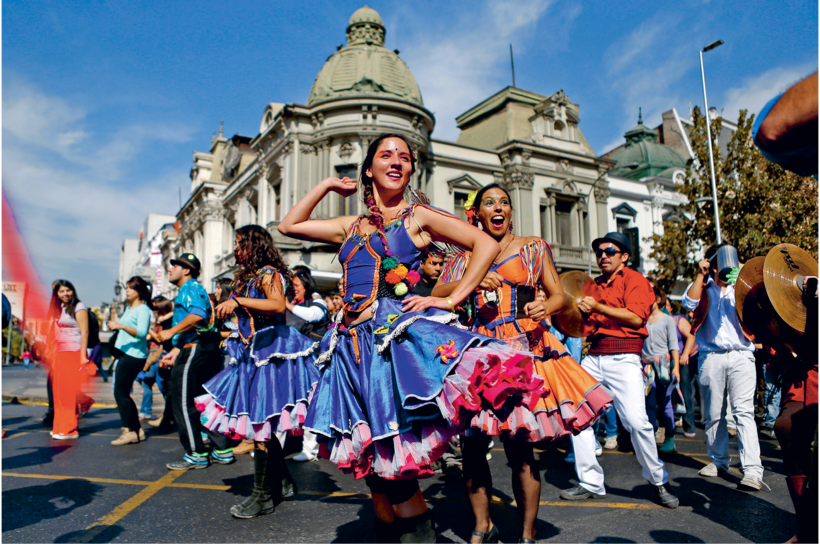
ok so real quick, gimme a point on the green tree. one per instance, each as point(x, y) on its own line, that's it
point(15, 342)
point(760, 204)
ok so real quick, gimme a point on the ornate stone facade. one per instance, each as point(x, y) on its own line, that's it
point(529, 143)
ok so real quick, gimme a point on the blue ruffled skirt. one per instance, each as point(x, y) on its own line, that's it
point(265, 389)
point(394, 389)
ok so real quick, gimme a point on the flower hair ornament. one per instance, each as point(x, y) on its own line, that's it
point(469, 207)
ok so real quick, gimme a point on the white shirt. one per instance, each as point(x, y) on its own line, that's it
point(69, 337)
point(721, 330)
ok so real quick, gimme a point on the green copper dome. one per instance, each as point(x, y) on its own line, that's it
point(644, 156)
point(364, 66)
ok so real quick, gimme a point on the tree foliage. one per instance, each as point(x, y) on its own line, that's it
point(760, 204)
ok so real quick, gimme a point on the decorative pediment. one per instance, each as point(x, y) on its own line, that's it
point(675, 216)
point(624, 209)
point(465, 183)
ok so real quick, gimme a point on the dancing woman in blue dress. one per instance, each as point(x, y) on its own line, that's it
point(400, 377)
point(267, 385)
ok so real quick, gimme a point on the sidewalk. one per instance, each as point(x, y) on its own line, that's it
point(29, 387)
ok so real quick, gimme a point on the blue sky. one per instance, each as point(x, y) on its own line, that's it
point(105, 102)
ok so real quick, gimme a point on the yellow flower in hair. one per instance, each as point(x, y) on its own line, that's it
point(470, 200)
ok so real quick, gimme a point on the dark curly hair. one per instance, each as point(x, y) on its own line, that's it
point(56, 307)
point(376, 217)
point(256, 250)
point(474, 221)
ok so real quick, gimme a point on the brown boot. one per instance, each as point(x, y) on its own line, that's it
point(127, 437)
point(245, 447)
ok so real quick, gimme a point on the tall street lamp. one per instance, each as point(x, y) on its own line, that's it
point(709, 47)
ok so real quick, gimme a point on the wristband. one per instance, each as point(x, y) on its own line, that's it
point(450, 302)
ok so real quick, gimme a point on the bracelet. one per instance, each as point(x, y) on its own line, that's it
point(450, 302)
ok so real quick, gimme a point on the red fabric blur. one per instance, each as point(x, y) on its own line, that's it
point(67, 381)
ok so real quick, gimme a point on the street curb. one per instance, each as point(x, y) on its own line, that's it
point(15, 399)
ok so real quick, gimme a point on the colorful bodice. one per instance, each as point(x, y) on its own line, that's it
point(522, 272)
point(369, 273)
point(249, 321)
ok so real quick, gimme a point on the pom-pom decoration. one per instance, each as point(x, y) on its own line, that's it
point(413, 277)
point(392, 278)
point(401, 270)
point(390, 263)
point(400, 289)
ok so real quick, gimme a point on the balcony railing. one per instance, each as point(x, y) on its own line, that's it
point(570, 255)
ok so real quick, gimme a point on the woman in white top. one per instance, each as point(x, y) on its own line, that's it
point(68, 341)
point(132, 340)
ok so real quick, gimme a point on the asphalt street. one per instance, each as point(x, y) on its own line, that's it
point(90, 491)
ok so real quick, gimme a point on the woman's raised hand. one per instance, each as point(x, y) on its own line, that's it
point(344, 186)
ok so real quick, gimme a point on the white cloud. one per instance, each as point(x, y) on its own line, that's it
point(72, 200)
point(33, 117)
point(460, 65)
point(646, 71)
point(755, 92)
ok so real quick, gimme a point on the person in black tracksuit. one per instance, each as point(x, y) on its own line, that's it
point(196, 358)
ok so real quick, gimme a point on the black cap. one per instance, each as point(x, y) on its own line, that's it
point(189, 261)
point(618, 238)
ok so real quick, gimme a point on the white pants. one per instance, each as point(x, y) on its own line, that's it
point(730, 377)
point(622, 375)
point(310, 446)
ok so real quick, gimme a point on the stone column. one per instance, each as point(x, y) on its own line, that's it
point(288, 176)
point(601, 195)
point(263, 200)
point(549, 219)
point(520, 185)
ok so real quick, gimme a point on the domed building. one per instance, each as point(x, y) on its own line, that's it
point(530, 142)
point(643, 192)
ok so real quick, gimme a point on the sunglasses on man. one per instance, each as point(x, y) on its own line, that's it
point(610, 252)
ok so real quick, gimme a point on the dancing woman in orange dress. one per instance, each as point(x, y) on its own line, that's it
point(506, 308)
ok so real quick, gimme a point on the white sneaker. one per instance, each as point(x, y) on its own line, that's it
point(660, 435)
point(611, 443)
point(302, 457)
point(710, 470)
point(598, 449)
point(750, 483)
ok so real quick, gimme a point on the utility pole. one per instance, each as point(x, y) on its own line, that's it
point(512, 64)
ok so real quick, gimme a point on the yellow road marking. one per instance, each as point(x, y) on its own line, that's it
point(94, 530)
point(117, 436)
point(694, 456)
point(96, 480)
point(13, 435)
point(151, 488)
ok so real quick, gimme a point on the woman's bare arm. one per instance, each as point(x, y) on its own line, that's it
point(82, 321)
point(297, 223)
point(451, 230)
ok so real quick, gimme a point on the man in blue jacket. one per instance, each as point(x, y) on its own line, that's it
point(196, 359)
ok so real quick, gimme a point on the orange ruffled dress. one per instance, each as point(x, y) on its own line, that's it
point(576, 400)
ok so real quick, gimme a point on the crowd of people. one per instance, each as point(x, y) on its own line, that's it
point(422, 354)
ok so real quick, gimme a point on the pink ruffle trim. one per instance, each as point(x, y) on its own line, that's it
point(546, 424)
point(214, 418)
point(481, 375)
